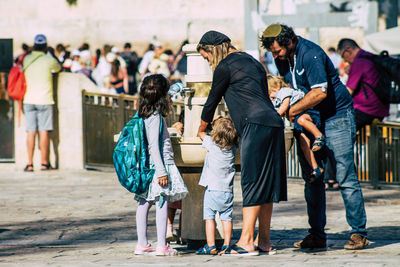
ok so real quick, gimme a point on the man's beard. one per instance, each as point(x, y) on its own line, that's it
point(288, 52)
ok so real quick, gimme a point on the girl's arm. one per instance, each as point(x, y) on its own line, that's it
point(152, 125)
point(284, 106)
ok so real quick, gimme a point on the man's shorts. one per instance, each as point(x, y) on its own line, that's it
point(38, 117)
point(217, 201)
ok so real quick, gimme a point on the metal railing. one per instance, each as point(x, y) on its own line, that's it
point(376, 152)
point(104, 115)
point(376, 155)
point(384, 153)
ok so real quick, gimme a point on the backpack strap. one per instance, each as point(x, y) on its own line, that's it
point(363, 84)
point(160, 144)
point(30, 63)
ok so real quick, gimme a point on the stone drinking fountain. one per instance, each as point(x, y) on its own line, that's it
point(189, 154)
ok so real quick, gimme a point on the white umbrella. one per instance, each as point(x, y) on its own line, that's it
point(387, 40)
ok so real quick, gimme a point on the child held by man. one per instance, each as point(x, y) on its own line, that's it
point(282, 97)
point(167, 184)
point(217, 176)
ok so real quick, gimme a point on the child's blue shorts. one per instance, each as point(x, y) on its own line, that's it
point(315, 116)
point(217, 201)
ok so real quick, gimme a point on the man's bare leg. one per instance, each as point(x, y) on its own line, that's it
point(30, 144)
point(44, 146)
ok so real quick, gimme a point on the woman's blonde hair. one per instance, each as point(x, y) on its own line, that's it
point(218, 52)
point(275, 83)
point(224, 133)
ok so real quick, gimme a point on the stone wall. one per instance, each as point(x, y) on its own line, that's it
point(116, 22)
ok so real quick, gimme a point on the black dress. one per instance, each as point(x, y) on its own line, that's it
point(242, 81)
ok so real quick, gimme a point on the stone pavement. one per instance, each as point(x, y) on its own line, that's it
point(85, 218)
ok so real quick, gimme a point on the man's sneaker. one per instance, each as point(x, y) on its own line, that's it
point(356, 242)
point(141, 250)
point(311, 242)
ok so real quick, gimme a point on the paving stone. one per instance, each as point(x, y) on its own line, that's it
point(85, 218)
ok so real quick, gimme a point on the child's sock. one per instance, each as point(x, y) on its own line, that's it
point(169, 230)
point(141, 221)
point(161, 222)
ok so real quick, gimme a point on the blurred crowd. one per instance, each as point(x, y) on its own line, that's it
point(117, 70)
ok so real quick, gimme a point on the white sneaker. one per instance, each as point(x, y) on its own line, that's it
point(166, 251)
point(141, 250)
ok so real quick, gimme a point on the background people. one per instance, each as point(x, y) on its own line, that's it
point(38, 100)
point(363, 76)
point(131, 60)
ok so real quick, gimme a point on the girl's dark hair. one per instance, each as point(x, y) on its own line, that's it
point(283, 39)
point(115, 67)
point(153, 96)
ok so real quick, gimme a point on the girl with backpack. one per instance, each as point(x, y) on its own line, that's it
point(167, 184)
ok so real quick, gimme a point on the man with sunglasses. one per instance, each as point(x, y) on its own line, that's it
point(307, 67)
point(363, 76)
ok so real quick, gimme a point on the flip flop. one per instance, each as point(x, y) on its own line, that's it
point(271, 251)
point(239, 251)
point(224, 248)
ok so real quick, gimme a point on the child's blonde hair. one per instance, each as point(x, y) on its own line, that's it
point(224, 133)
point(275, 83)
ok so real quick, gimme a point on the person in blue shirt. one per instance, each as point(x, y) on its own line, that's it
point(307, 67)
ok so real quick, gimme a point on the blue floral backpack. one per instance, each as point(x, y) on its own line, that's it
point(131, 157)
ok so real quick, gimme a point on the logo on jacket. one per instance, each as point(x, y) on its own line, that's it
point(300, 72)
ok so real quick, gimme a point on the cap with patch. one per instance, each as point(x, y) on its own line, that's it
point(214, 38)
point(40, 39)
point(272, 30)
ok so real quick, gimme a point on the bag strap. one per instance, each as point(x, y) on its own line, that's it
point(363, 84)
point(24, 69)
point(161, 199)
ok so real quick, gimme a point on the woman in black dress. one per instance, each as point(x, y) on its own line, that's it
point(242, 81)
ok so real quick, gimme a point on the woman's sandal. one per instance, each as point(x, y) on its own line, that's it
point(206, 250)
point(270, 251)
point(316, 174)
point(235, 250)
point(224, 248)
point(28, 168)
point(46, 167)
point(319, 143)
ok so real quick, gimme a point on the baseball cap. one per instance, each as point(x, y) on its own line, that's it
point(40, 39)
point(115, 50)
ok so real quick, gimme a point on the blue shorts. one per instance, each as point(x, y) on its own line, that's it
point(315, 116)
point(38, 117)
point(217, 201)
